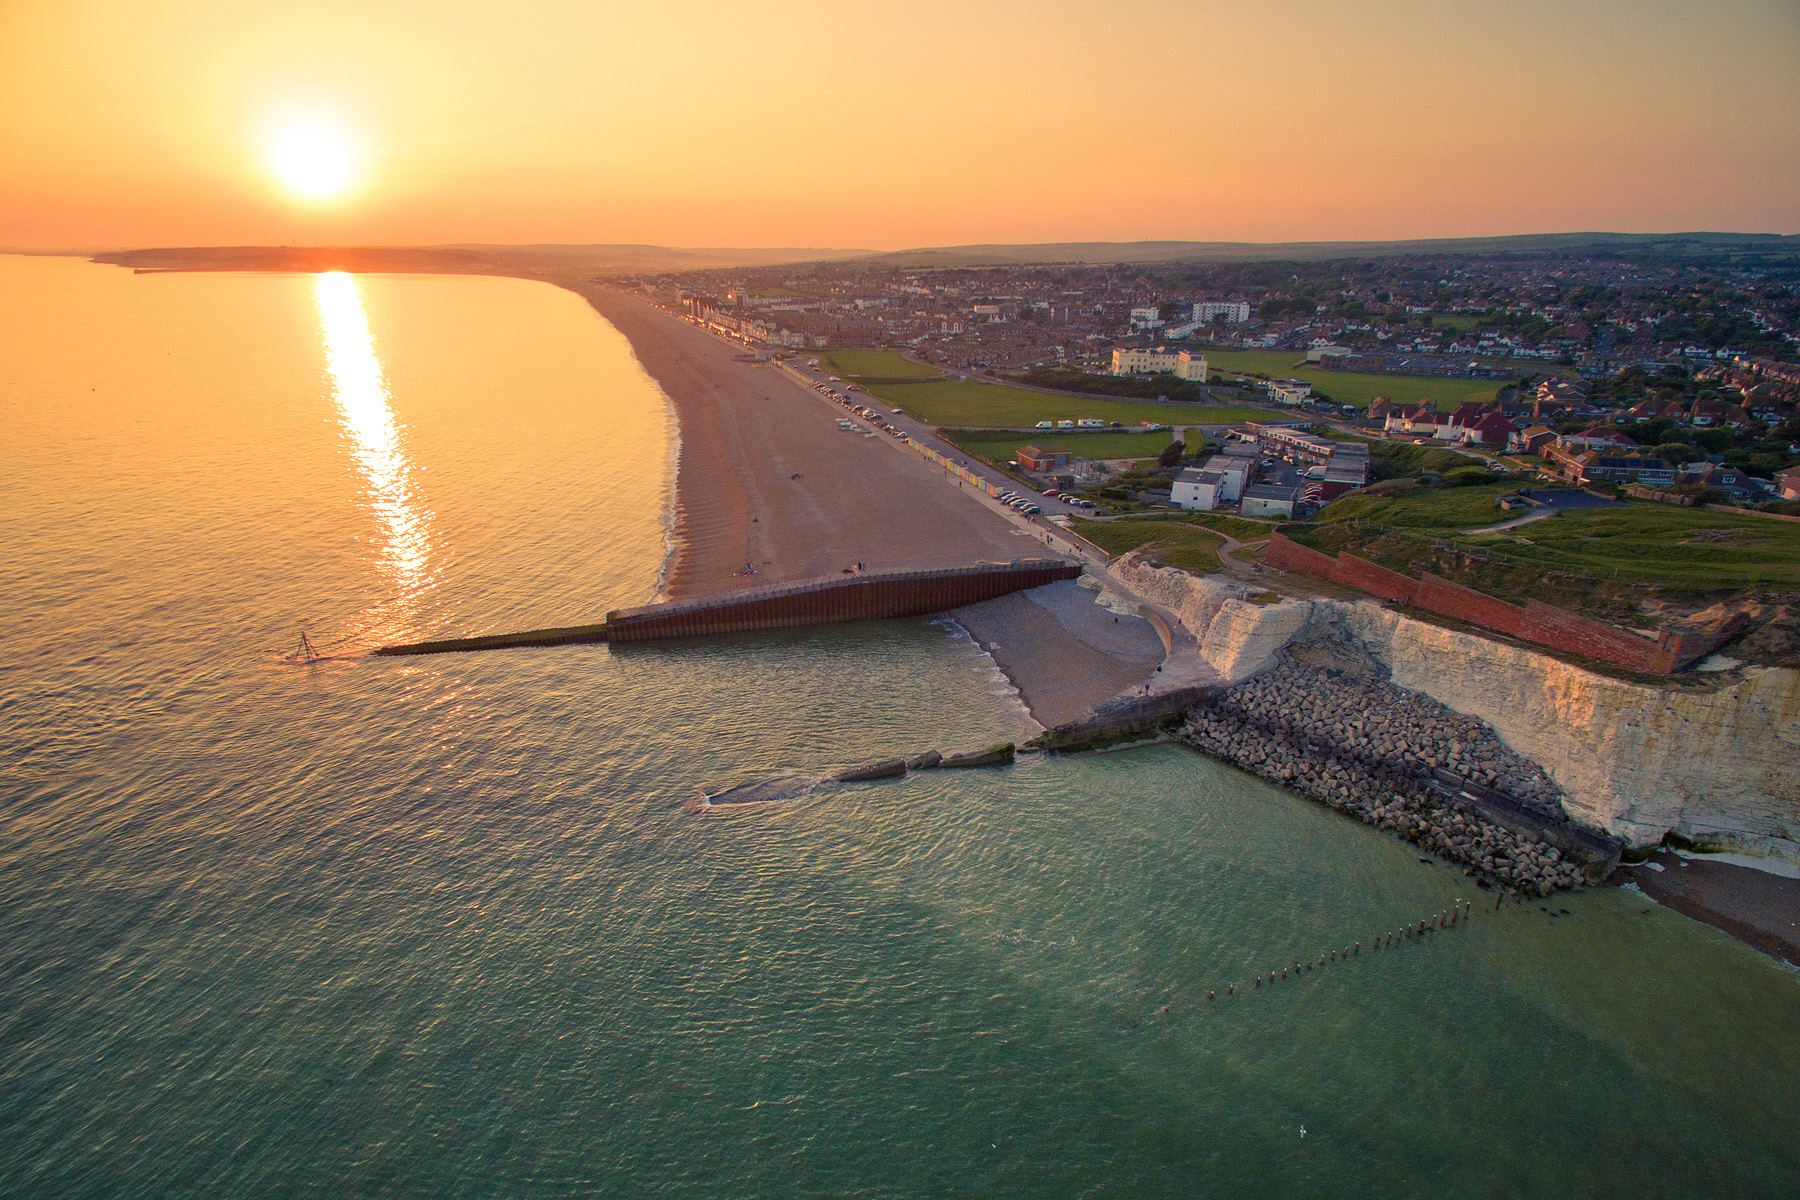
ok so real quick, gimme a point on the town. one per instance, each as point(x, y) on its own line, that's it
point(1672, 376)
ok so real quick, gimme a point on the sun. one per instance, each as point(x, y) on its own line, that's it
point(312, 159)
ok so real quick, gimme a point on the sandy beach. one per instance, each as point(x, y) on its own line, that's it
point(768, 480)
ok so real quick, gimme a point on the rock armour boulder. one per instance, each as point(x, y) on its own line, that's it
point(1369, 749)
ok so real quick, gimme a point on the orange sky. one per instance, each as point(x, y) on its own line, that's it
point(887, 125)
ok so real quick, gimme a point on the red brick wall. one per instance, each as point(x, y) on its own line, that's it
point(1292, 556)
point(1359, 573)
point(1537, 622)
point(1438, 595)
point(1563, 630)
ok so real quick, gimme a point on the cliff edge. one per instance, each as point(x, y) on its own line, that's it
point(1716, 766)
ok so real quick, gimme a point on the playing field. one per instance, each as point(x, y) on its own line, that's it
point(1352, 387)
point(875, 364)
point(1081, 445)
point(980, 405)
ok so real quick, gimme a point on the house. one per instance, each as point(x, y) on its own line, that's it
point(1235, 472)
point(1269, 500)
point(1787, 483)
point(1596, 438)
point(1419, 421)
point(1344, 473)
point(1380, 407)
point(1708, 413)
point(1733, 482)
point(1766, 406)
point(1490, 428)
point(1289, 391)
point(1644, 410)
point(1468, 414)
point(1531, 440)
point(1033, 458)
point(1600, 466)
point(1197, 489)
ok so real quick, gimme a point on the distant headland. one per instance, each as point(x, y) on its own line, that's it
point(628, 258)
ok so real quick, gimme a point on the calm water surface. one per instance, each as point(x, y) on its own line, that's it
point(441, 927)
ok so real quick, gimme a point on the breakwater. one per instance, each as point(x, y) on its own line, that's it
point(1407, 765)
point(821, 601)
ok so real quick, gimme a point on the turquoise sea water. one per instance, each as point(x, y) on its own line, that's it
point(445, 927)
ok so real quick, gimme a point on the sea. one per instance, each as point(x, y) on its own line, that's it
point(453, 927)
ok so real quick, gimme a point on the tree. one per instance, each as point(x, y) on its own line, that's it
point(1172, 453)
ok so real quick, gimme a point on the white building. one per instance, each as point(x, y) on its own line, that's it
point(1146, 318)
point(1235, 312)
point(1197, 489)
point(1233, 471)
point(1157, 360)
point(1269, 500)
point(1289, 391)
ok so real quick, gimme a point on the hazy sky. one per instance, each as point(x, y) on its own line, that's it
point(888, 125)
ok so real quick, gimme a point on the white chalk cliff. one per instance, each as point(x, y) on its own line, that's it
point(1719, 766)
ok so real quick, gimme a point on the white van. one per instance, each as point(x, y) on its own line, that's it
point(1065, 424)
point(1046, 425)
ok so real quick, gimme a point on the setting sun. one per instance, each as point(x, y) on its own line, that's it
point(311, 160)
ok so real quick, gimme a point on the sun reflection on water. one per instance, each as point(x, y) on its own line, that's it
point(362, 397)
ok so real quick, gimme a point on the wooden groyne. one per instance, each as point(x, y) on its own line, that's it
point(820, 601)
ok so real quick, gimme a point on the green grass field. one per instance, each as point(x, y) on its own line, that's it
point(1427, 509)
point(1176, 543)
point(982, 405)
point(1644, 543)
point(1350, 387)
point(875, 364)
point(1236, 528)
point(997, 449)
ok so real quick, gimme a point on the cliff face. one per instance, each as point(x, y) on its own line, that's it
point(1236, 637)
point(1637, 761)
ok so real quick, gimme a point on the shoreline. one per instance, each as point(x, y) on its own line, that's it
point(713, 512)
point(767, 488)
point(1757, 907)
point(1059, 648)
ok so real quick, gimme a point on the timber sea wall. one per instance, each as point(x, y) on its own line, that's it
point(820, 601)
